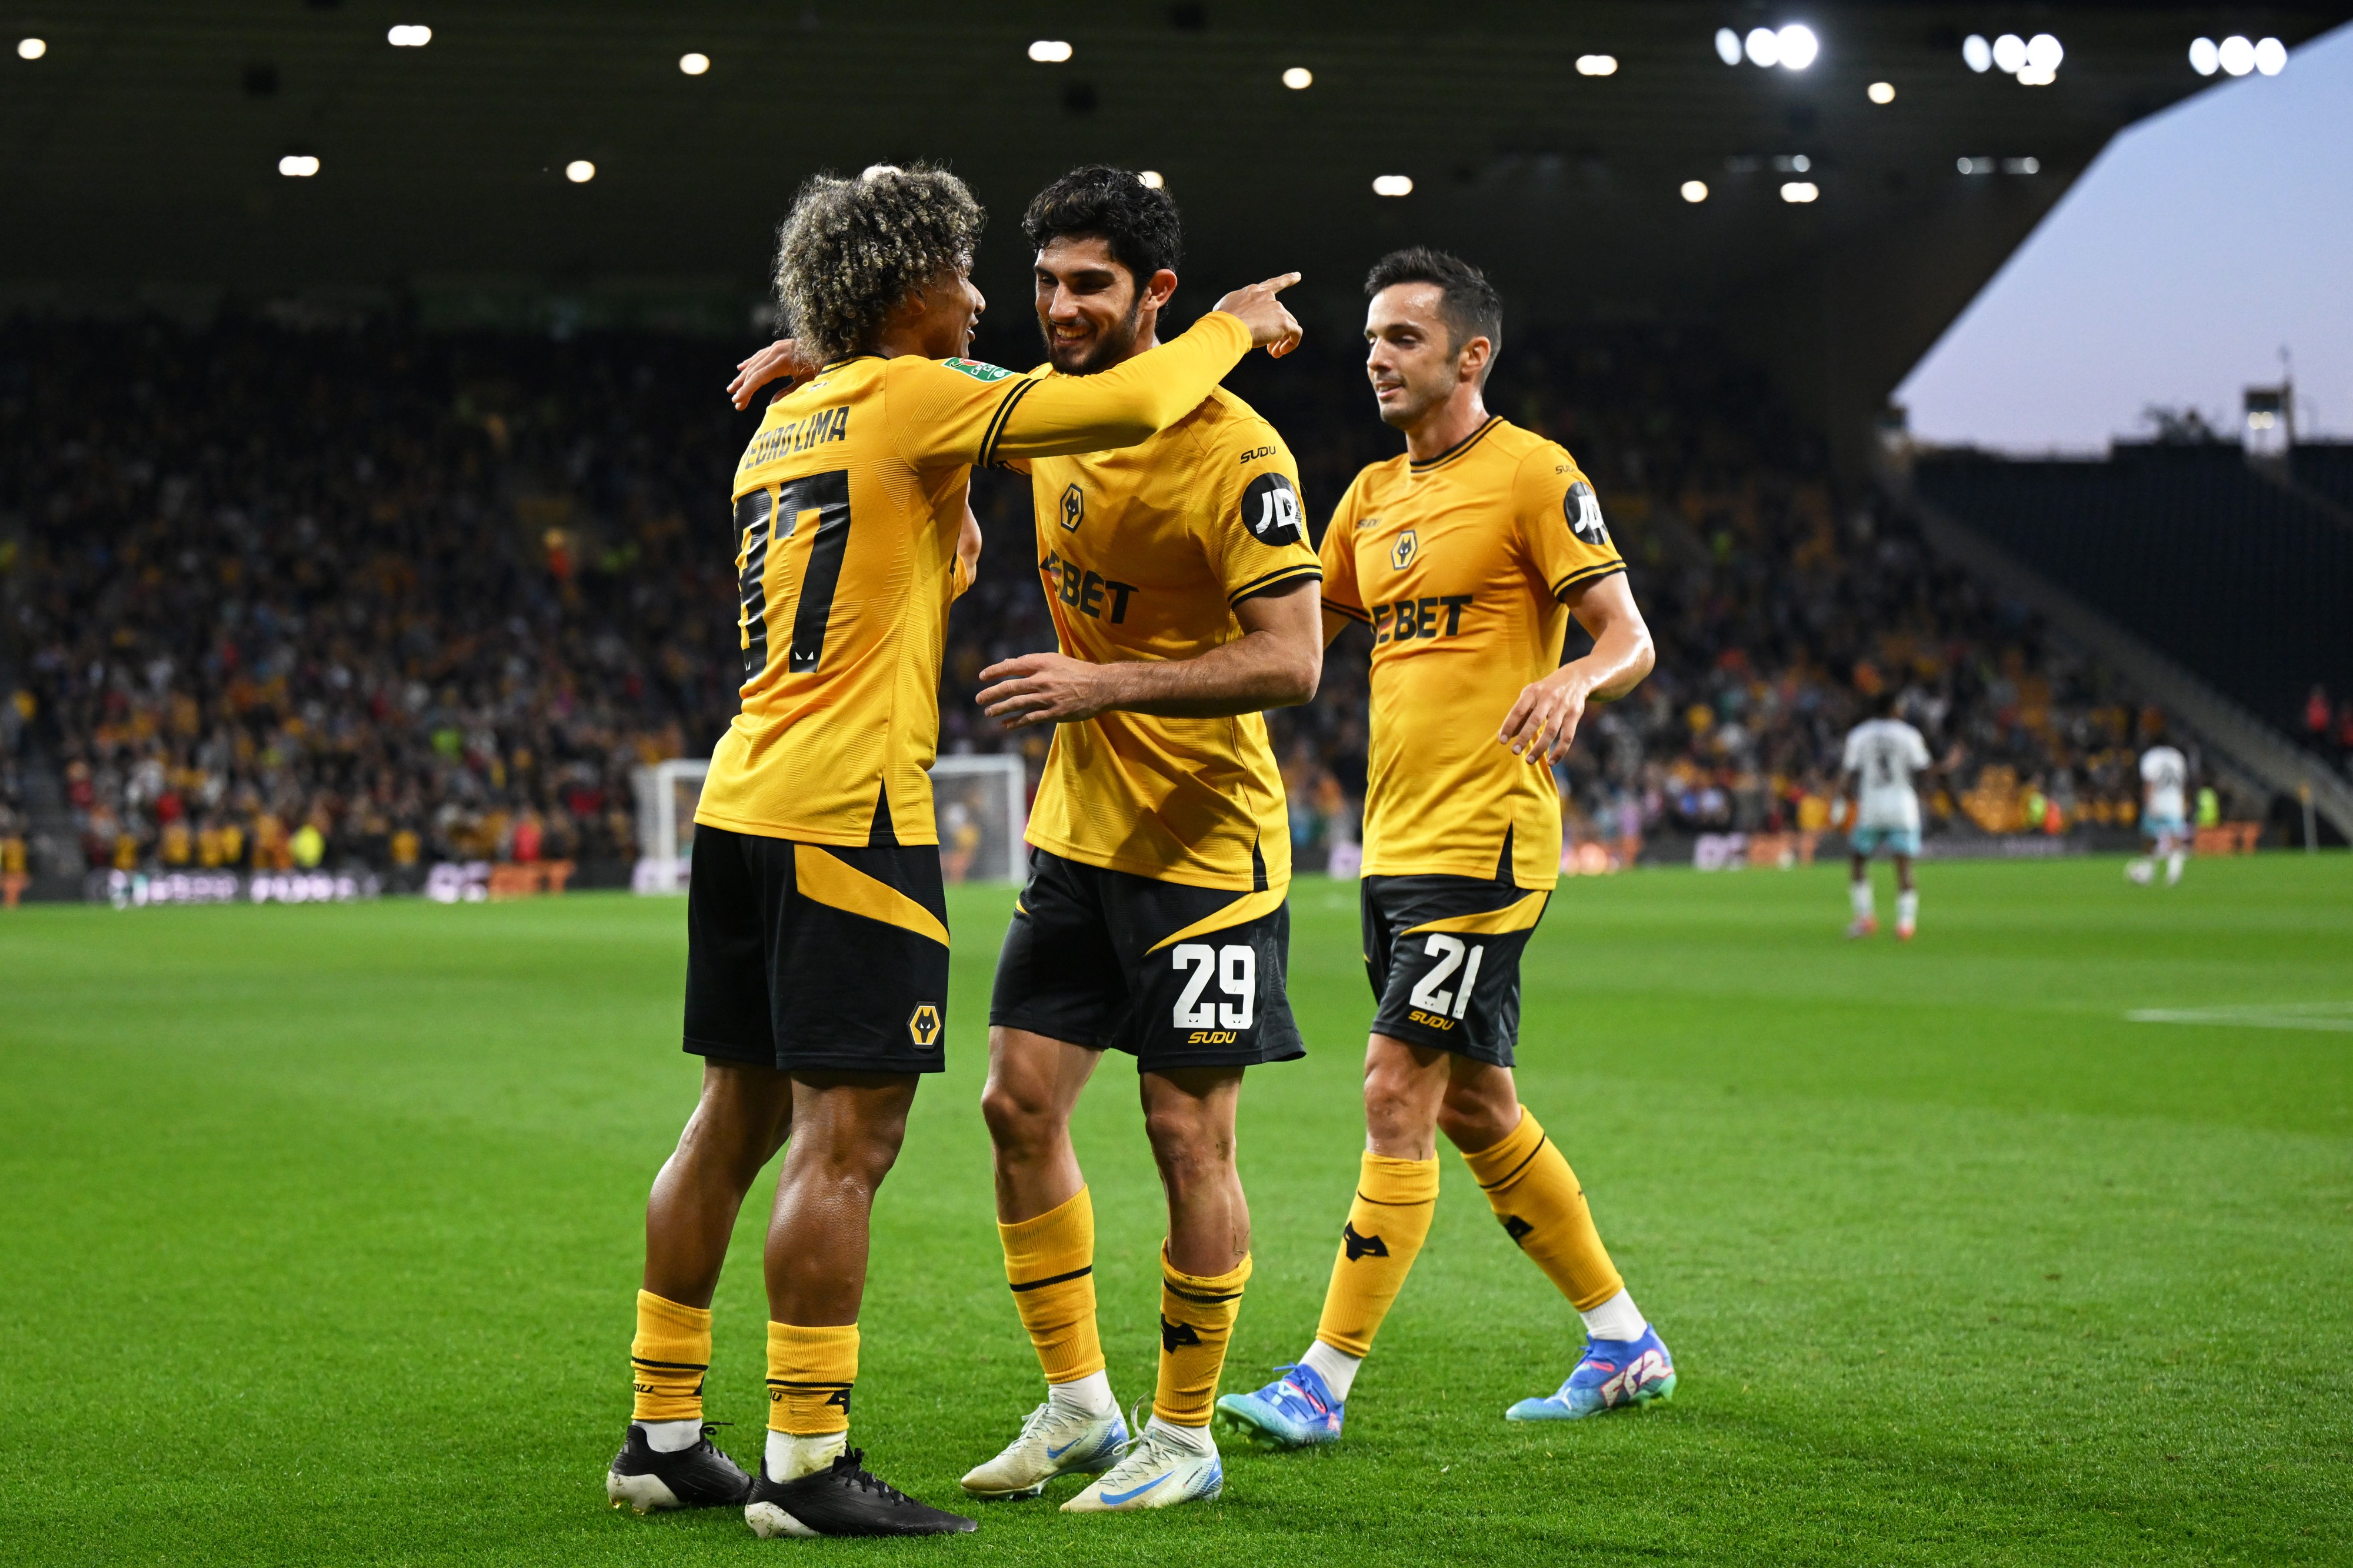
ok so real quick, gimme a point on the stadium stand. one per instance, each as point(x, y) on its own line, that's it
point(2189, 546)
point(364, 595)
point(291, 597)
point(2326, 470)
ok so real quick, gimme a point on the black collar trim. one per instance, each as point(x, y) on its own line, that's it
point(1457, 449)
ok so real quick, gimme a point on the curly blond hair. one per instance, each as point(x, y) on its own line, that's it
point(851, 249)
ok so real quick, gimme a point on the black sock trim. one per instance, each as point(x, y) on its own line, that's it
point(671, 1365)
point(1055, 1278)
point(1392, 1203)
point(1199, 1299)
point(1506, 1180)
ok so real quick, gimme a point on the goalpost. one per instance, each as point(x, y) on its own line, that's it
point(982, 806)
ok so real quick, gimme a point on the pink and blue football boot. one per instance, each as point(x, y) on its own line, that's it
point(1612, 1374)
point(1296, 1411)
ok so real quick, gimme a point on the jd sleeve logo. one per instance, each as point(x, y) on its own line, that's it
point(1270, 509)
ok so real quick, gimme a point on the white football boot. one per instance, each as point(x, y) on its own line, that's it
point(1159, 1471)
point(1052, 1443)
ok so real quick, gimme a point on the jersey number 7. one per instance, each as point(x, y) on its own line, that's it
point(761, 516)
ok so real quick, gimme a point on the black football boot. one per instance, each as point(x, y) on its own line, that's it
point(842, 1500)
point(700, 1476)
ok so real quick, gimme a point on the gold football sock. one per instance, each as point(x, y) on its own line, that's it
point(1049, 1261)
point(1535, 1194)
point(810, 1374)
point(1396, 1200)
point(668, 1359)
point(1196, 1318)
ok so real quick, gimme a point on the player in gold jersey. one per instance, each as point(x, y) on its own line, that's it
point(817, 939)
point(1466, 556)
point(1154, 920)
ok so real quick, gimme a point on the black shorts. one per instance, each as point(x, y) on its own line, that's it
point(808, 956)
point(1177, 976)
point(1443, 955)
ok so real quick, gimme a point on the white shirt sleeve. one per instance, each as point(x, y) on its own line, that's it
point(1916, 749)
point(1853, 762)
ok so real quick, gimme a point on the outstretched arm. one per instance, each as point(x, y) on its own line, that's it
point(1275, 663)
point(1544, 721)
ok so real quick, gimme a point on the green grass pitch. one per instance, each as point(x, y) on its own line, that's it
point(322, 1227)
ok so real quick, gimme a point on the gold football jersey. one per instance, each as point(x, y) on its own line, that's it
point(1458, 565)
point(848, 503)
point(1143, 553)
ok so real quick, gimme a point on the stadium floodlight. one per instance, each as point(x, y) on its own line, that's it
point(2044, 52)
point(1764, 46)
point(2271, 57)
point(1798, 46)
point(1392, 184)
point(1975, 165)
point(1597, 64)
point(693, 62)
point(408, 36)
point(1977, 54)
point(1728, 46)
point(31, 49)
point(1150, 180)
point(1050, 51)
point(1298, 79)
point(297, 165)
point(580, 171)
point(2021, 165)
point(1881, 92)
point(1694, 190)
point(2010, 54)
point(2237, 54)
point(1800, 191)
point(2204, 59)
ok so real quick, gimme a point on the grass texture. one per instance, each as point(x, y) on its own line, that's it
point(323, 1227)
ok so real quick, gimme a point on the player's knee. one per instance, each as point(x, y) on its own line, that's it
point(738, 1125)
point(1391, 1112)
point(1473, 1121)
point(1187, 1148)
point(853, 1163)
point(1019, 1121)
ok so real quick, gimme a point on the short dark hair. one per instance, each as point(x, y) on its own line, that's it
point(851, 249)
point(1136, 221)
point(1468, 303)
point(1888, 704)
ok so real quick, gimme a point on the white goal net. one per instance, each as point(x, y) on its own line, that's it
point(981, 804)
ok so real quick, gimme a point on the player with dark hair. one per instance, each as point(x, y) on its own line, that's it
point(1883, 754)
point(816, 937)
point(1466, 556)
point(1155, 921)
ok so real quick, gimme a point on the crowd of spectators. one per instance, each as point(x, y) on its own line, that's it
point(279, 598)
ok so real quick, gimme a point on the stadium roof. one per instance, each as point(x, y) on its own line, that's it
point(140, 152)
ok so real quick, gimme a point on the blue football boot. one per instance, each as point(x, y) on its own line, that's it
point(1612, 1374)
point(1296, 1411)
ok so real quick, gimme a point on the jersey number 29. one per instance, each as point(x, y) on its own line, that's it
point(1235, 968)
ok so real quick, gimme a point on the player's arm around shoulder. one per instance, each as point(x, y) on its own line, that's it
point(1571, 550)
